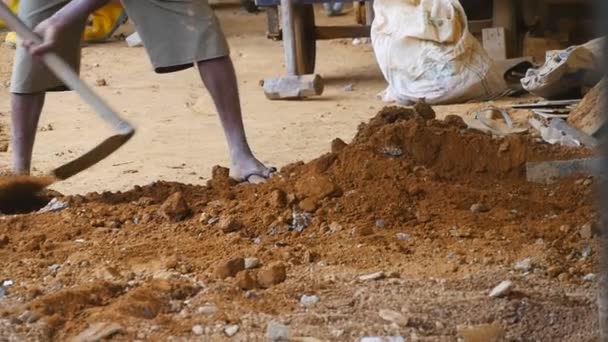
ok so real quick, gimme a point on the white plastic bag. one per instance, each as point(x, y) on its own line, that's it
point(425, 50)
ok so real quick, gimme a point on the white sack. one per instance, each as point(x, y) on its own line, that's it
point(425, 50)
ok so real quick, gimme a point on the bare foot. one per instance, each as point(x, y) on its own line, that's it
point(250, 170)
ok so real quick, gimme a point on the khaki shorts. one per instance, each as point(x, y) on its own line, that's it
point(175, 33)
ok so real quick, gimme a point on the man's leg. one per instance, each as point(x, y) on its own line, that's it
point(220, 79)
point(31, 79)
point(26, 109)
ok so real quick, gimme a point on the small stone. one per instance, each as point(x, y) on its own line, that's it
point(245, 281)
point(335, 227)
point(478, 208)
point(486, 332)
point(554, 271)
point(404, 236)
point(229, 268)
point(524, 265)
point(504, 146)
point(175, 208)
point(54, 268)
point(591, 277)
point(3, 292)
point(101, 82)
point(587, 182)
point(4, 240)
point(299, 221)
point(372, 276)
point(204, 218)
point(362, 231)
point(393, 317)
point(337, 332)
point(198, 330)
point(309, 300)
point(349, 87)
point(392, 151)
point(276, 332)
point(53, 206)
point(565, 228)
point(28, 317)
point(382, 339)
point(207, 310)
point(272, 274)
point(501, 289)
point(229, 224)
point(98, 331)
point(586, 231)
point(380, 223)
point(231, 330)
point(587, 251)
point(337, 145)
point(252, 263)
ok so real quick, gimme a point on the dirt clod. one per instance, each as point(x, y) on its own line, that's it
point(229, 268)
point(337, 145)
point(175, 208)
point(272, 274)
point(246, 281)
point(424, 110)
point(229, 224)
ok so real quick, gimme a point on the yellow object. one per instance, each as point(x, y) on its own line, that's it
point(13, 5)
point(11, 39)
point(104, 22)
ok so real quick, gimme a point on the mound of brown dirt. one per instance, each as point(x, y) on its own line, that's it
point(417, 199)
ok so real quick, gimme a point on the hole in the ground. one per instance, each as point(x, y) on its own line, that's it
point(23, 194)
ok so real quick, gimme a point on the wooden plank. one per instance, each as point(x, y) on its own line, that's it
point(588, 115)
point(338, 32)
point(495, 42)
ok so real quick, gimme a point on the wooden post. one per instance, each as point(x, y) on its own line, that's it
point(289, 42)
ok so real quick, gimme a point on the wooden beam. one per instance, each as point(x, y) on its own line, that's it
point(337, 32)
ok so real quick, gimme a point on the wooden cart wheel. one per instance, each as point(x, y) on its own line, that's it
point(305, 40)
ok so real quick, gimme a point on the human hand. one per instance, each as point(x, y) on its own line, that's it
point(49, 32)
